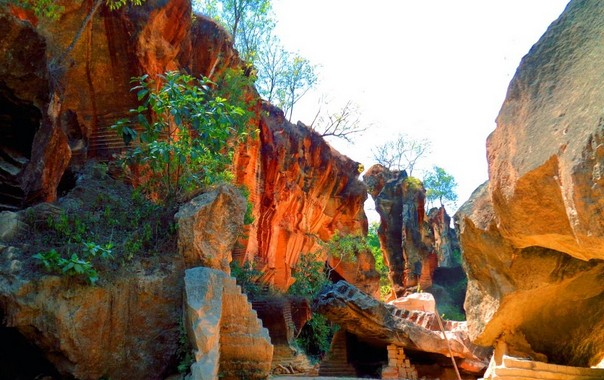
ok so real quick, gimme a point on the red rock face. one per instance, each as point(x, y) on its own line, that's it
point(303, 191)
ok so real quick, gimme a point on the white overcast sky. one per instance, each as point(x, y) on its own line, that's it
point(433, 69)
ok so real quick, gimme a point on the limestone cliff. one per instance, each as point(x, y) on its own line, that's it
point(58, 115)
point(533, 236)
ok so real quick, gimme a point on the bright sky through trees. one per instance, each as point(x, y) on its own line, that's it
point(432, 69)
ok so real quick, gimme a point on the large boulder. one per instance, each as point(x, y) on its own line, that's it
point(209, 226)
point(533, 236)
point(383, 324)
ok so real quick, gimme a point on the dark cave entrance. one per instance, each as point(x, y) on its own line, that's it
point(19, 122)
point(21, 360)
point(367, 357)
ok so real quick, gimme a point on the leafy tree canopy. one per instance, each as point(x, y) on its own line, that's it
point(185, 145)
point(283, 77)
point(440, 186)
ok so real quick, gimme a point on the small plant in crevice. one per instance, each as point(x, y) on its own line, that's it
point(76, 265)
point(373, 242)
point(248, 218)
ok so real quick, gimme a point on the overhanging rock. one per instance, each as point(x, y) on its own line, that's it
point(376, 321)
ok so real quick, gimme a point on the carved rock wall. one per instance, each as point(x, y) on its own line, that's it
point(533, 236)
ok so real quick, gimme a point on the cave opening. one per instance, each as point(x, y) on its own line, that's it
point(19, 122)
point(366, 356)
point(21, 360)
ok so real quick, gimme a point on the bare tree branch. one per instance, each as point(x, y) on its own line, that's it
point(341, 124)
point(401, 153)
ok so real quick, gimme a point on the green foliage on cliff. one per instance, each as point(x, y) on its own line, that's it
point(76, 265)
point(310, 275)
point(101, 227)
point(247, 276)
point(183, 134)
point(345, 247)
point(283, 77)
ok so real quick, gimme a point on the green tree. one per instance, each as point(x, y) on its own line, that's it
point(185, 145)
point(440, 186)
point(282, 77)
point(271, 64)
point(402, 153)
point(248, 22)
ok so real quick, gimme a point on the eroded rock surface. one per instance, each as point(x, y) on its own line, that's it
point(533, 236)
point(125, 329)
point(414, 244)
point(303, 191)
point(209, 226)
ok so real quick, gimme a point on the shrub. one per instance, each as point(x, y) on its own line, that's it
point(309, 275)
point(345, 247)
point(182, 132)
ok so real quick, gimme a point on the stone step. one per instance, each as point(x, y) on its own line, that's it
point(238, 346)
point(246, 325)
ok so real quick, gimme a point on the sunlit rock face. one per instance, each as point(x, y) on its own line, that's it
point(533, 236)
point(303, 191)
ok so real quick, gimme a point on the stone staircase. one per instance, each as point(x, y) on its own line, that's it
point(336, 363)
point(227, 337)
point(245, 346)
point(519, 369)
